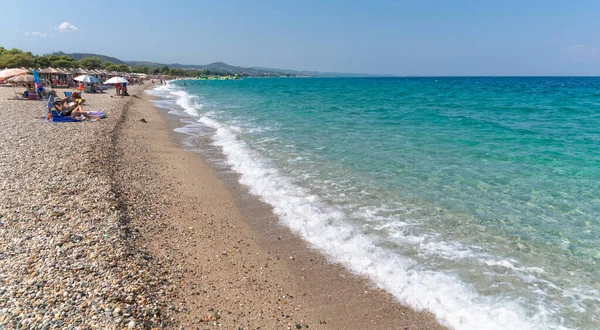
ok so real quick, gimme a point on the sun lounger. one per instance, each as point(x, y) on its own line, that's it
point(58, 118)
point(49, 105)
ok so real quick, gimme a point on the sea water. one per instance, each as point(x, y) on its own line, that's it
point(477, 199)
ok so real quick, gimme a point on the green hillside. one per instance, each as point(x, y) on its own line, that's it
point(104, 58)
point(217, 68)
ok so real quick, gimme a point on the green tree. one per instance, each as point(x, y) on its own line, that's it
point(165, 70)
point(140, 69)
point(123, 68)
point(90, 62)
point(42, 61)
point(111, 67)
point(106, 65)
point(14, 58)
point(155, 71)
point(64, 62)
point(117, 67)
point(176, 72)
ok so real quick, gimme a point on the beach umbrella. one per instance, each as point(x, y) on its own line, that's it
point(49, 70)
point(87, 79)
point(37, 80)
point(11, 73)
point(19, 79)
point(22, 78)
point(116, 80)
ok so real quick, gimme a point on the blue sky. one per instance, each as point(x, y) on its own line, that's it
point(382, 37)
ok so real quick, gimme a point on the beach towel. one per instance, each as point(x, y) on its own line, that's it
point(58, 118)
point(98, 114)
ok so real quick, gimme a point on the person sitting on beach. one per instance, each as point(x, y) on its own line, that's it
point(73, 113)
point(96, 89)
point(77, 96)
point(73, 103)
point(41, 92)
point(51, 98)
point(76, 99)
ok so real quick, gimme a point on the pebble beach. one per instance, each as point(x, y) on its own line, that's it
point(65, 257)
point(110, 224)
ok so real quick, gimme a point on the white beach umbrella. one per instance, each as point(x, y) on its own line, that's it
point(116, 80)
point(11, 73)
point(18, 75)
point(86, 79)
point(22, 78)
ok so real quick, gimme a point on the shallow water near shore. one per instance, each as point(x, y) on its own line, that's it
point(474, 198)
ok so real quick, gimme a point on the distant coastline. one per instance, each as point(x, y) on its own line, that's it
point(17, 58)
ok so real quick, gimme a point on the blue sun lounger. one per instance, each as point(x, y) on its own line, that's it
point(58, 118)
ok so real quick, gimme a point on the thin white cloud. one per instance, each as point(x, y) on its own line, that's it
point(66, 27)
point(579, 52)
point(575, 48)
point(36, 34)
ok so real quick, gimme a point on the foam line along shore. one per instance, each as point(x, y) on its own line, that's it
point(390, 177)
point(236, 265)
point(111, 224)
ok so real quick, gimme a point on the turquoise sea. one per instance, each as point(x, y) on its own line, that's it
point(477, 199)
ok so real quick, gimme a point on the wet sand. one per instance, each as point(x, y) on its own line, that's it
point(113, 225)
point(230, 263)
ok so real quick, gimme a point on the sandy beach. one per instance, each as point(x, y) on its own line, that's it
point(111, 224)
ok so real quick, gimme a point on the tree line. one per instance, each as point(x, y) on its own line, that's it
point(165, 70)
point(16, 58)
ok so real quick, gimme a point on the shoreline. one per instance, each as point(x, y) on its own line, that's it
point(113, 224)
point(323, 295)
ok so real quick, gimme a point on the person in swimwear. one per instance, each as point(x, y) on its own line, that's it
point(73, 113)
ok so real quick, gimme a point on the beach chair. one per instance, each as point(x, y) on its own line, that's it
point(49, 104)
point(58, 118)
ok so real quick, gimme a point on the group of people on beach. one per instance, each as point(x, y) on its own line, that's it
point(69, 106)
point(121, 89)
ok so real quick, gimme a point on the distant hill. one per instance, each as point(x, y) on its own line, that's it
point(323, 74)
point(104, 58)
point(221, 68)
point(216, 67)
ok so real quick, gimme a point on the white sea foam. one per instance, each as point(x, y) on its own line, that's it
point(454, 302)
